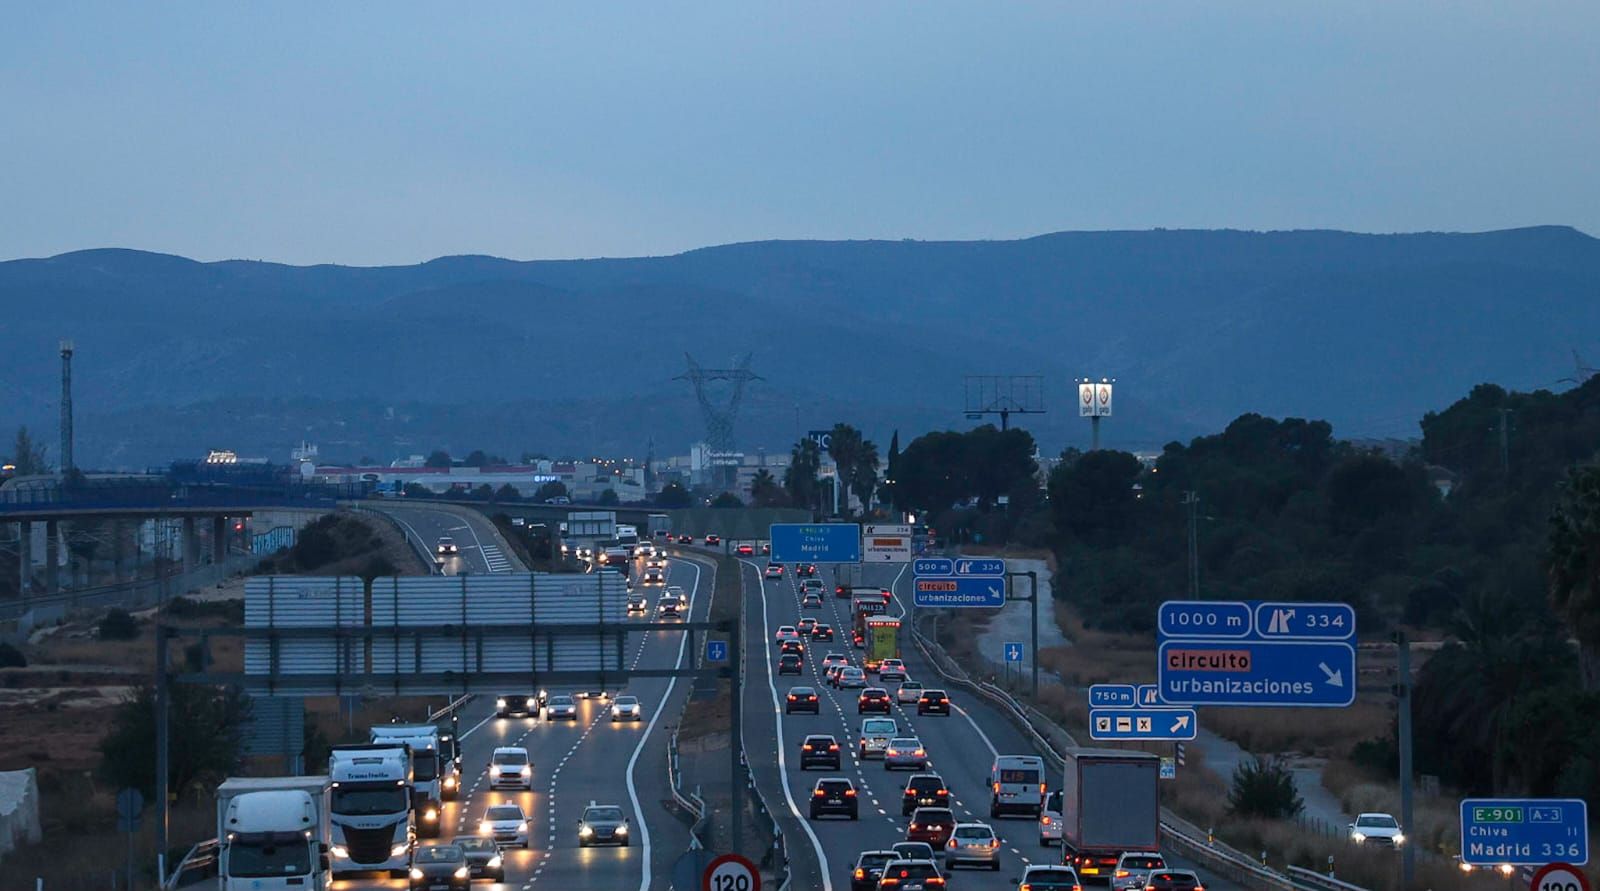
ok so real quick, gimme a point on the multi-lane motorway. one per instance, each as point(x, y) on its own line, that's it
point(472, 532)
point(591, 759)
point(961, 747)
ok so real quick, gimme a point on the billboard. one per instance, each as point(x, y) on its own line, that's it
point(1094, 399)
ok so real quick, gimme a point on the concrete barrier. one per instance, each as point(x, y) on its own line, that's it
point(19, 809)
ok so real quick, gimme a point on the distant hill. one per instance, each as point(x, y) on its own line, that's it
point(1368, 331)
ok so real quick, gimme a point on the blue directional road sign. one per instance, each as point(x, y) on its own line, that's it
point(716, 651)
point(1254, 653)
point(958, 591)
point(1013, 651)
point(979, 566)
point(815, 542)
point(1524, 831)
point(1148, 696)
point(1113, 696)
point(1142, 723)
point(933, 566)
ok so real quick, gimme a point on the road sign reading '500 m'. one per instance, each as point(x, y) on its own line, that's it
point(815, 542)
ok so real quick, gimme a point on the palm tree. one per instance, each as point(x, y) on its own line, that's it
point(845, 447)
point(864, 476)
point(765, 491)
point(1574, 571)
point(800, 479)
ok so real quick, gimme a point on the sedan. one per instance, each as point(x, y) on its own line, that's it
point(441, 867)
point(811, 601)
point(873, 699)
point(1174, 880)
point(805, 570)
point(830, 675)
point(820, 750)
point(506, 825)
point(908, 692)
point(932, 825)
point(483, 858)
point(933, 702)
point(972, 843)
point(1050, 878)
point(905, 751)
point(802, 699)
point(514, 704)
point(891, 670)
point(653, 578)
point(851, 678)
point(790, 663)
point(774, 571)
point(713, 539)
point(806, 626)
point(627, 708)
point(1133, 870)
point(835, 795)
point(792, 648)
point(822, 632)
point(786, 632)
point(832, 660)
point(602, 824)
point(745, 550)
point(686, 539)
point(869, 866)
point(561, 707)
point(910, 875)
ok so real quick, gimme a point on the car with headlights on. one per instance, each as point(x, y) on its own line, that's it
point(932, 825)
point(440, 868)
point(1377, 830)
point(869, 866)
point(510, 768)
point(483, 857)
point(802, 699)
point(516, 704)
point(972, 844)
point(626, 708)
point(602, 824)
point(1134, 869)
point(819, 750)
point(835, 795)
point(446, 546)
point(561, 707)
point(506, 825)
point(905, 751)
point(686, 539)
point(654, 578)
point(638, 604)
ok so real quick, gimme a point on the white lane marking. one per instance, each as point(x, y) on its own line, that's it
point(777, 717)
point(633, 793)
point(479, 541)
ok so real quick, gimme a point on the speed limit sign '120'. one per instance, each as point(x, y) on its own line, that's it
point(730, 872)
point(1560, 877)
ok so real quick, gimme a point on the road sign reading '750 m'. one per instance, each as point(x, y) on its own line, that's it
point(1524, 831)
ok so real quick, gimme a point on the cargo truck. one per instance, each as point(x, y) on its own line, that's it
point(1110, 804)
point(882, 640)
point(864, 602)
point(427, 770)
point(272, 832)
point(371, 827)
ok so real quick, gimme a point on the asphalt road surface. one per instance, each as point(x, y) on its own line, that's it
point(470, 530)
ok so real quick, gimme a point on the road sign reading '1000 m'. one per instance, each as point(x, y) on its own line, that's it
point(815, 542)
point(1256, 653)
point(1524, 831)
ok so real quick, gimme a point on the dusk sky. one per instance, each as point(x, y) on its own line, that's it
point(394, 133)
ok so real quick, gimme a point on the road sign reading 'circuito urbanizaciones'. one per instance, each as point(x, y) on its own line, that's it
point(815, 542)
point(958, 582)
point(1256, 653)
point(886, 544)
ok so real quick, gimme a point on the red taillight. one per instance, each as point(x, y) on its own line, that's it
point(834, 747)
point(850, 793)
point(806, 747)
point(861, 873)
point(936, 881)
point(791, 697)
point(1024, 887)
point(1122, 873)
point(951, 843)
point(944, 791)
point(819, 793)
point(1045, 819)
point(1041, 788)
point(996, 787)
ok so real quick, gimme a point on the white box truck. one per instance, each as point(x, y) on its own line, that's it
point(1110, 804)
point(272, 833)
point(427, 770)
point(371, 828)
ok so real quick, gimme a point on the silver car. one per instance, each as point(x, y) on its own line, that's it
point(561, 707)
point(851, 677)
point(506, 824)
point(972, 844)
point(905, 751)
point(602, 824)
point(626, 708)
point(875, 736)
point(1133, 870)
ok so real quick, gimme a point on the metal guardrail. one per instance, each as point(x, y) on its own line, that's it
point(455, 704)
point(1220, 858)
point(196, 866)
point(1311, 880)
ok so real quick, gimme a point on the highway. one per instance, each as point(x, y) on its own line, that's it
point(470, 529)
point(961, 747)
point(591, 759)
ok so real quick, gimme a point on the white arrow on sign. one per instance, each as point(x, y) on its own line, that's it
point(1336, 678)
point(994, 591)
point(1180, 724)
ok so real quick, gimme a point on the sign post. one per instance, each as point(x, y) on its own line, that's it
point(731, 872)
point(1524, 831)
point(130, 804)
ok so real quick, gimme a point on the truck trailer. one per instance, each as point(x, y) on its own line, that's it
point(272, 832)
point(1110, 805)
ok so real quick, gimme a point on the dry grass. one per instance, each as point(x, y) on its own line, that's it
point(1098, 657)
point(1327, 733)
point(1374, 869)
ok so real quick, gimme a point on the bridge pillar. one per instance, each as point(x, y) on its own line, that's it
point(119, 534)
point(52, 557)
point(191, 545)
point(219, 539)
point(25, 559)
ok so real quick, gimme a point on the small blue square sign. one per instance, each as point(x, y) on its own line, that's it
point(716, 651)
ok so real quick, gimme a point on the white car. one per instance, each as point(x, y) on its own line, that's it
point(1377, 829)
point(626, 708)
point(1133, 870)
point(972, 844)
point(851, 677)
point(835, 659)
point(905, 751)
point(653, 578)
point(638, 604)
point(812, 586)
point(875, 736)
point(1050, 820)
point(908, 692)
point(677, 591)
point(447, 545)
point(786, 632)
point(510, 768)
point(506, 824)
point(561, 707)
point(891, 670)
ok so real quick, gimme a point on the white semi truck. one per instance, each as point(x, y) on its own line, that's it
point(272, 833)
point(371, 827)
point(427, 770)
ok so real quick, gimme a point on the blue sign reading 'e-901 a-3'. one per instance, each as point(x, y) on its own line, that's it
point(815, 542)
point(1524, 831)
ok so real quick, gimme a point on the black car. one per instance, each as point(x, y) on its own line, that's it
point(910, 875)
point(515, 704)
point(924, 790)
point(789, 663)
point(440, 868)
point(869, 865)
point(822, 633)
point(805, 570)
point(835, 795)
point(933, 702)
point(873, 699)
point(792, 646)
point(802, 699)
point(483, 857)
point(820, 750)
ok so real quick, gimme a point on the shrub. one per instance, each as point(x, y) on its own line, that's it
point(1264, 789)
point(11, 657)
point(118, 625)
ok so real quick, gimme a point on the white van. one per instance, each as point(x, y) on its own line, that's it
point(1016, 785)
